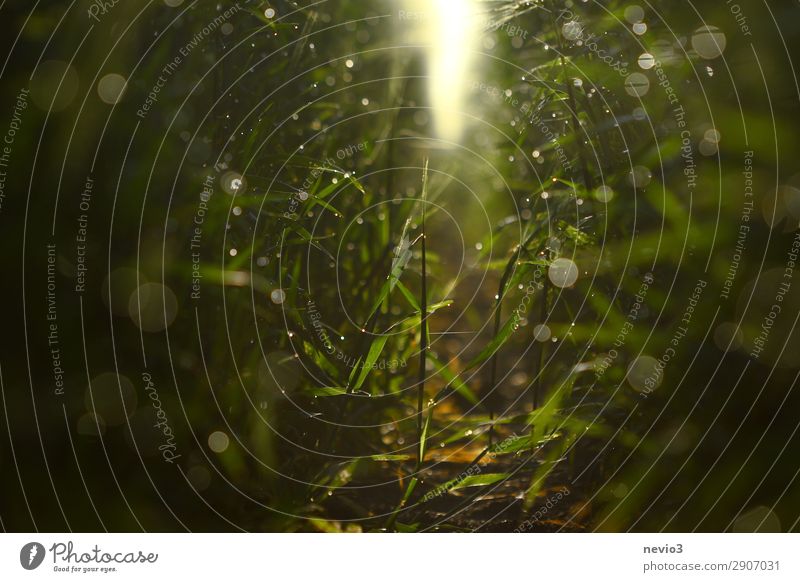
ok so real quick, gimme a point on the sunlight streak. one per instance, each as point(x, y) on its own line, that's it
point(450, 31)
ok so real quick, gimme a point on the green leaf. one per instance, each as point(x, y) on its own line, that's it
point(354, 371)
point(354, 181)
point(452, 380)
point(423, 439)
point(409, 296)
point(319, 358)
point(374, 353)
point(497, 342)
point(325, 205)
point(520, 443)
point(414, 320)
point(327, 391)
point(541, 473)
point(409, 490)
point(540, 419)
point(390, 457)
point(478, 480)
point(400, 260)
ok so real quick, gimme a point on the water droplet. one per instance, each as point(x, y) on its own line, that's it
point(563, 272)
point(218, 441)
point(541, 333)
point(603, 193)
point(639, 177)
point(572, 30)
point(111, 88)
point(709, 42)
point(644, 374)
point(637, 85)
point(728, 337)
point(153, 307)
point(634, 14)
point(278, 296)
point(646, 61)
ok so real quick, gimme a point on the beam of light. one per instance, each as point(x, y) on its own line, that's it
point(450, 30)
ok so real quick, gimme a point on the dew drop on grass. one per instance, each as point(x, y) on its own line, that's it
point(541, 333)
point(111, 88)
point(637, 85)
point(563, 272)
point(603, 193)
point(712, 135)
point(644, 374)
point(634, 14)
point(640, 177)
point(153, 307)
point(278, 296)
point(708, 148)
point(728, 337)
point(709, 42)
point(218, 441)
